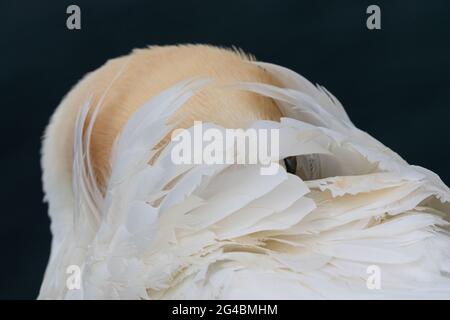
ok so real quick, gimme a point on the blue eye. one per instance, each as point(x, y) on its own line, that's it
point(291, 164)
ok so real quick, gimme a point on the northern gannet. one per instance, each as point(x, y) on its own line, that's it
point(141, 227)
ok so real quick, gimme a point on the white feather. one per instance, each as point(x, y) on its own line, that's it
point(225, 231)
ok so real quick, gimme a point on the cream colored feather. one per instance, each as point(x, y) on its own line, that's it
point(161, 230)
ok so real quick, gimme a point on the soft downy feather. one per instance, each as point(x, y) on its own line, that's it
point(224, 231)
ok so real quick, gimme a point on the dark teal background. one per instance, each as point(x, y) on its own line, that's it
point(393, 82)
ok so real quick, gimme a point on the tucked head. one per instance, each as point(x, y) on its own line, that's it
point(130, 81)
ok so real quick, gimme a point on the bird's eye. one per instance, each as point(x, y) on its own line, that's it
point(291, 164)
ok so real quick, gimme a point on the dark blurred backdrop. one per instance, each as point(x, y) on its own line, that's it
point(393, 82)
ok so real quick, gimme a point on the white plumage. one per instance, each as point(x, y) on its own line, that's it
point(225, 231)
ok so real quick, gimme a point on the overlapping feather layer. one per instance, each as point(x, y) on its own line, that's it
point(226, 231)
